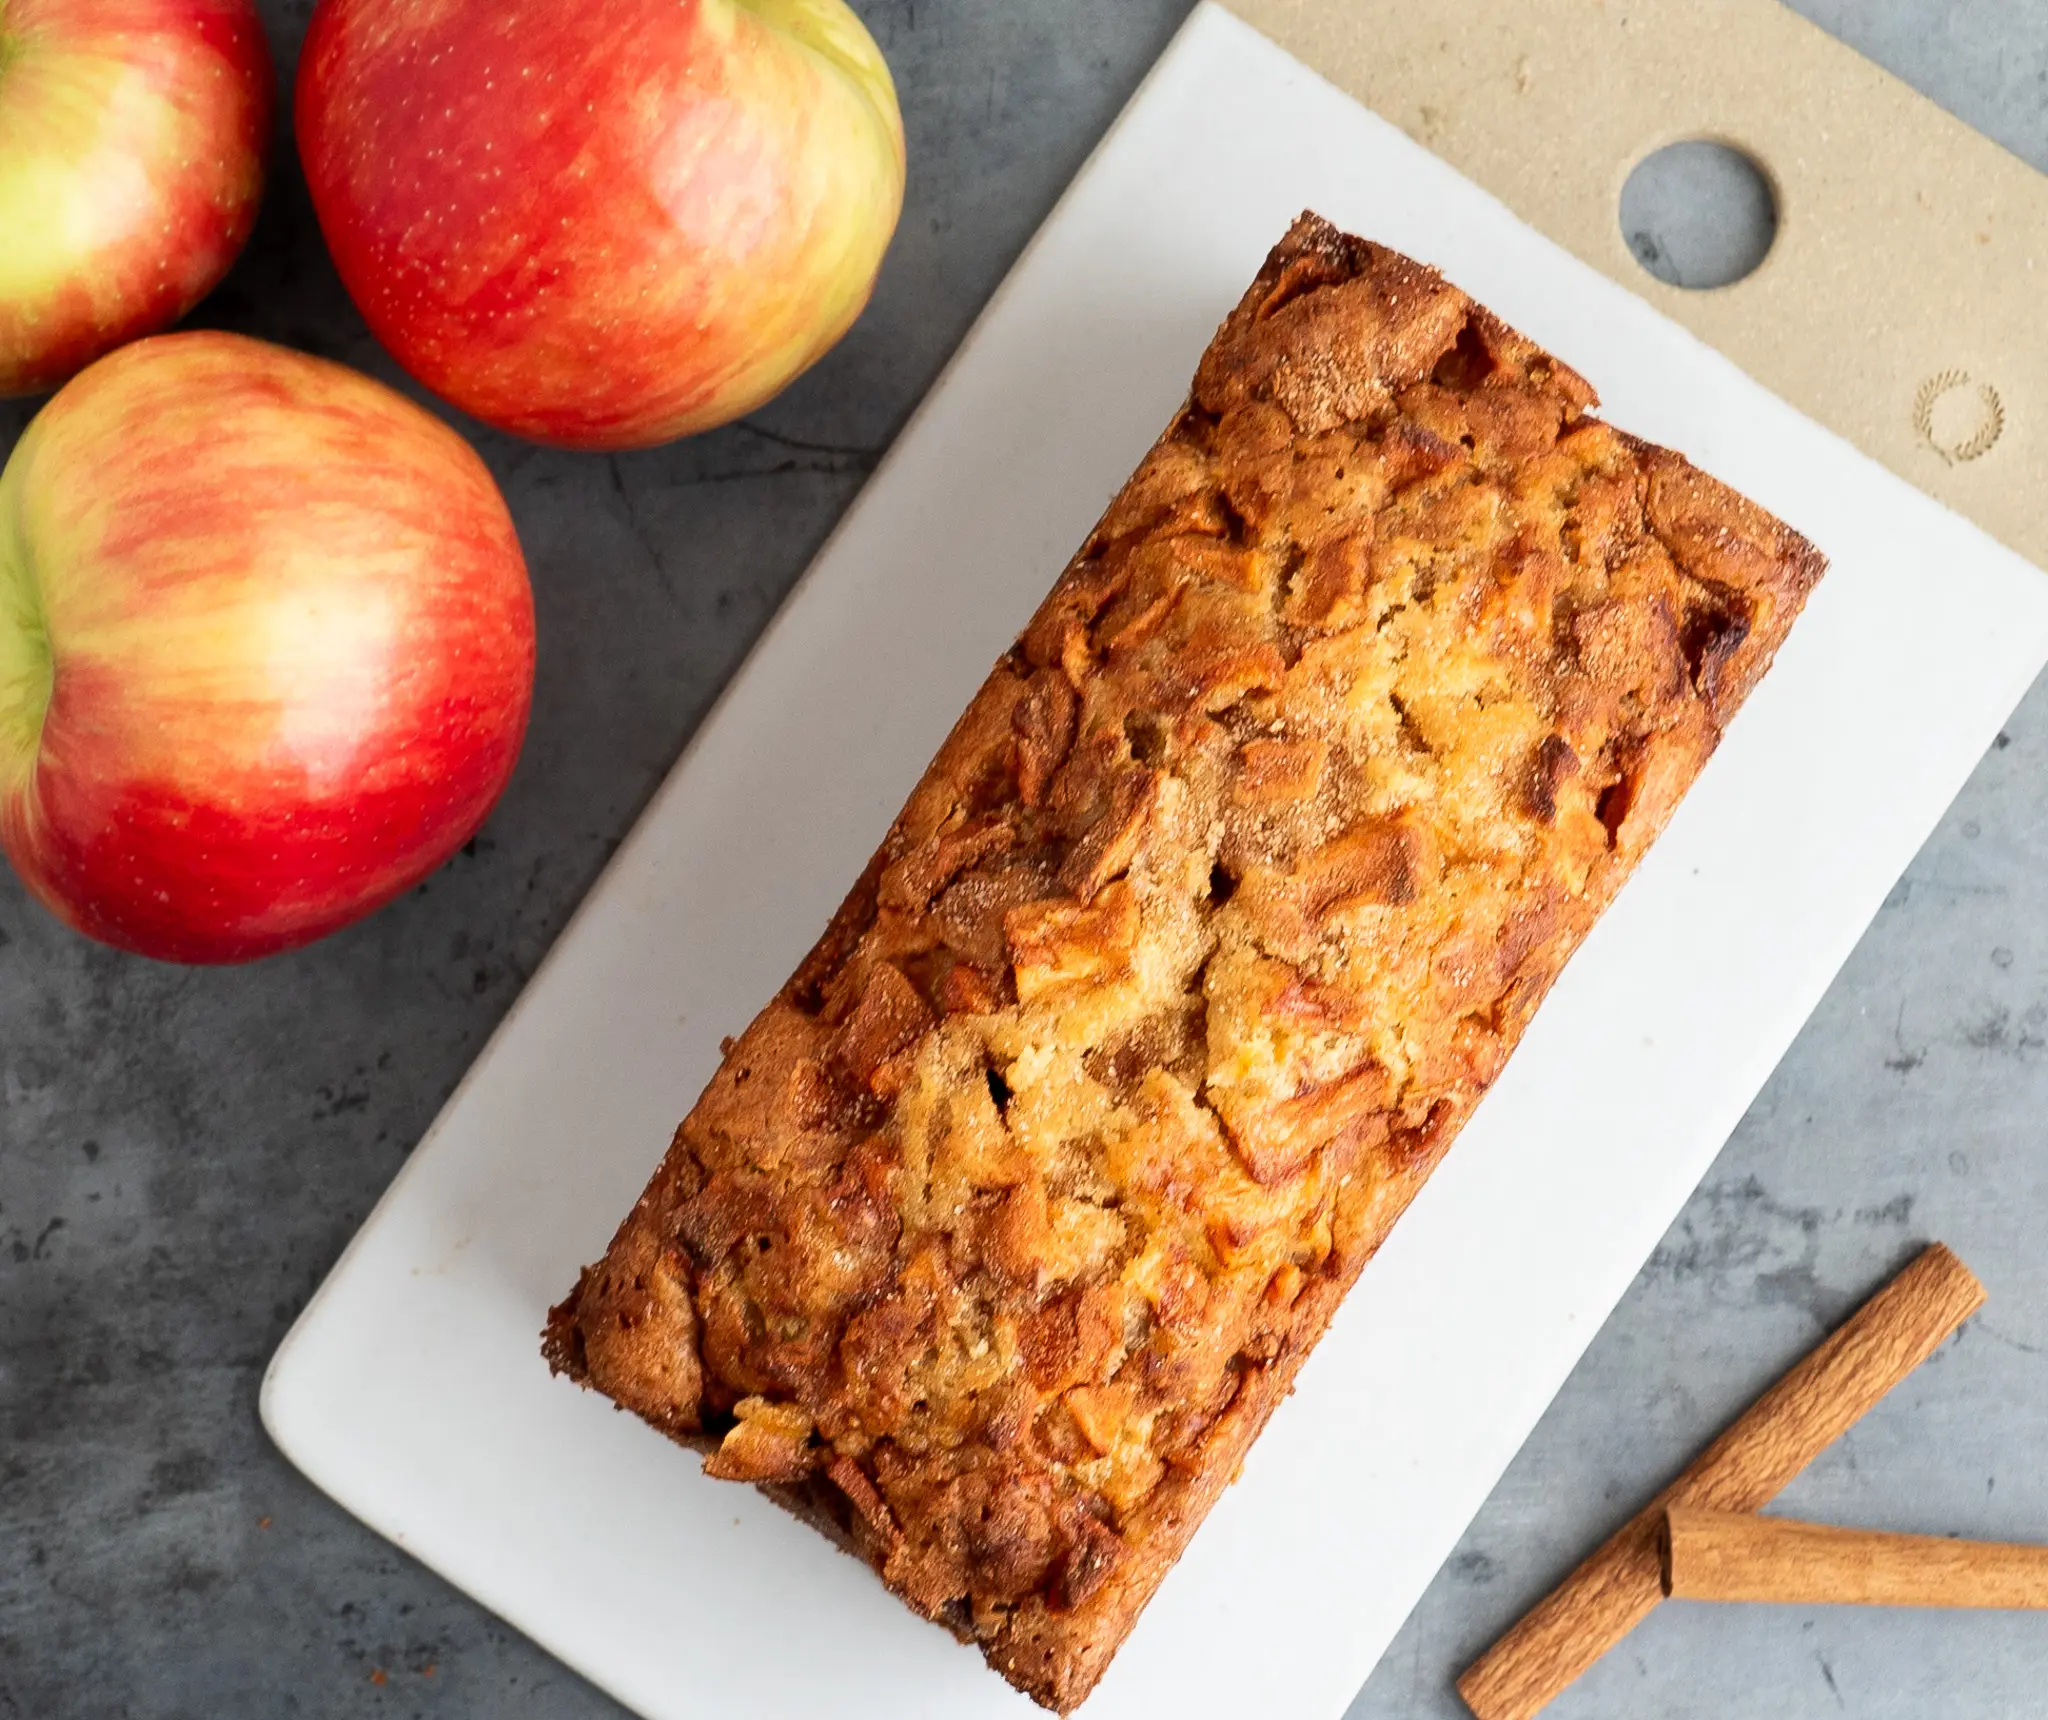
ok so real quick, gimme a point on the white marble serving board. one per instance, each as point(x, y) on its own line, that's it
point(412, 1388)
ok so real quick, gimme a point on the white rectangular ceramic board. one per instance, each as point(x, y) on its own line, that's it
point(412, 1388)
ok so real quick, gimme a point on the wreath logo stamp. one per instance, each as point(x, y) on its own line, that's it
point(1944, 421)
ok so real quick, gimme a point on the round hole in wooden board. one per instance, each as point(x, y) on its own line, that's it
point(1698, 214)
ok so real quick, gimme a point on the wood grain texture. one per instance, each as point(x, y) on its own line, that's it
point(1741, 1556)
point(1778, 1436)
point(1900, 303)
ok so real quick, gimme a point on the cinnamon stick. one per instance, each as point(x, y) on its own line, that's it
point(1777, 1437)
point(1738, 1556)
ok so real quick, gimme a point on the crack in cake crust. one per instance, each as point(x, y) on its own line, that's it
point(1005, 1226)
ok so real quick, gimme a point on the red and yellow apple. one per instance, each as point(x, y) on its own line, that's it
point(601, 223)
point(131, 160)
point(266, 648)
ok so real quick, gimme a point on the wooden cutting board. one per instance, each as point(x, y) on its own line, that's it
point(411, 1389)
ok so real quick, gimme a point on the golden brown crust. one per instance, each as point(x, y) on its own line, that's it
point(1003, 1229)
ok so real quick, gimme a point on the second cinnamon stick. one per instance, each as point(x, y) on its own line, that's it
point(1738, 1556)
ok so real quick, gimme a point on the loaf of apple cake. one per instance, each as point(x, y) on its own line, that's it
point(1004, 1227)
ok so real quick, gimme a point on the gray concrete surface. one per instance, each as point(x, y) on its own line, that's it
point(1698, 214)
point(182, 1155)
